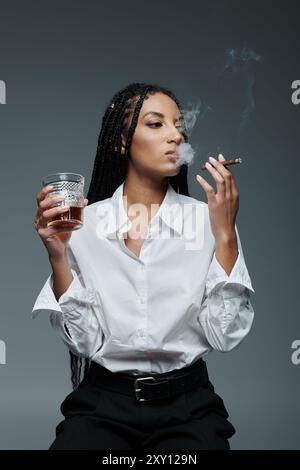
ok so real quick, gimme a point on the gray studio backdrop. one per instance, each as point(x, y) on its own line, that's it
point(60, 64)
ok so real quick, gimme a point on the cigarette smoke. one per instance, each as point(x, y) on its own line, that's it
point(186, 154)
point(185, 151)
point(242, 61)
point(241, 64)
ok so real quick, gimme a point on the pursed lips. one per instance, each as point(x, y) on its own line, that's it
point(172, 154)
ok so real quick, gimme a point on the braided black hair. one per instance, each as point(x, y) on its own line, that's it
point(110, 165)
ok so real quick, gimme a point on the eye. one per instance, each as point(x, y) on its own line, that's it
point(180, 128)
point(154, 124)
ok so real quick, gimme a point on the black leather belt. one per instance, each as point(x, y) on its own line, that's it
point(150, 387)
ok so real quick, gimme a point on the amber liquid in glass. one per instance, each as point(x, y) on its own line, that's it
point(72, 219)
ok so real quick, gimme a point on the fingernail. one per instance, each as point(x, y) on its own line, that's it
point(212, 159)
point(199, 177)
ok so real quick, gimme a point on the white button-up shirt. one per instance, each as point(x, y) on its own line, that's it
point(155, 312)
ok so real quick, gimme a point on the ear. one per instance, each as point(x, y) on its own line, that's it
point(122, 149)
point(123, 143)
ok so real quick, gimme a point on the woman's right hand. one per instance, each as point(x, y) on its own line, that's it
point(55, 239)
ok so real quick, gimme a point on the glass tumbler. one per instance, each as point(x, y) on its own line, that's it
point(70, 186)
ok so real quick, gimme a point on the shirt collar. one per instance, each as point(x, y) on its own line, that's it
point(116, 220)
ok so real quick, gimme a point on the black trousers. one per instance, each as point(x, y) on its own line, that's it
point(98, 418)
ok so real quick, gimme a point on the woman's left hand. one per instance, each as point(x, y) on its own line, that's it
point(223, 206)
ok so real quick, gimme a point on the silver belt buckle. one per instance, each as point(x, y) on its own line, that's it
point(137, 390)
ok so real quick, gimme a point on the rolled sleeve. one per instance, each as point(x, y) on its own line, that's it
point(46, 300)
point(226, 313)
point(238, 279)
point(75, 316)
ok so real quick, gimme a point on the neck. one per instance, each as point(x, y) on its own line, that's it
point(144, 190)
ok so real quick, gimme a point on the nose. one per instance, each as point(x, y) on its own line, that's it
point(176, 136)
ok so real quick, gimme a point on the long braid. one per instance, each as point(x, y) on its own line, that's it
point(110, 166)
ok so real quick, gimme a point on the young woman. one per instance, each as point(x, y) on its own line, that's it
point(142, 303)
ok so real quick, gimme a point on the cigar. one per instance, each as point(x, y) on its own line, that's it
point(227, 162)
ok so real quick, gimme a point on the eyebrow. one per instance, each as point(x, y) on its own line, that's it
point(178, 117)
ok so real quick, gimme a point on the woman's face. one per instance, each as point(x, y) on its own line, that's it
point(155, 135)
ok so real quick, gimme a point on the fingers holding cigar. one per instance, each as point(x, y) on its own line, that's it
point(224, 178)
point(225, 162)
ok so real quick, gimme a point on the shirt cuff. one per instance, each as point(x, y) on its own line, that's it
point(46, 300)
point(231, 285)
